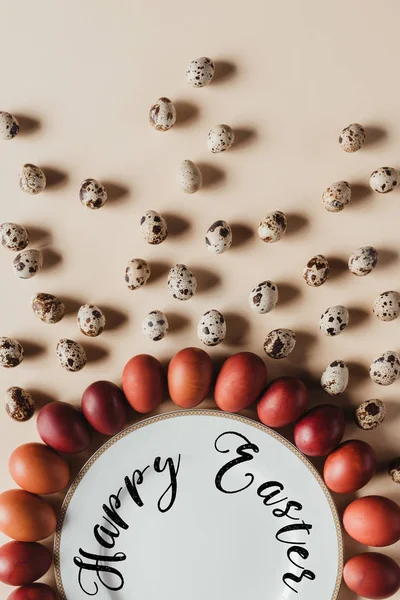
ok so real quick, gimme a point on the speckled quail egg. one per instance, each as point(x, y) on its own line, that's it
point(162, 115)
point(220, 138)
point(211, 329)
point(200, 72)
point(387, 306)
point(336, 196)
point(334, 320)
point(137, 273)
point(11, 352)
point(155, 325)
point(27, 263)
point(218, 237)
point(182, 283)
point(32, 180)
point(335, 378)
point(386, 368)
point(273, 227)
point(72, 355)
point(48, 308)
point(9, 126)
point(19, 404)
point(91, 320)
point(370, 414)
point(363, 261)
point(153, 227)
point(93, 194)
point(13, 236)
point(384, 180)
point(316, 271)
point(352, 137)
point(264, 297)
point(394, 469)
point(279, 343)
point(189, 177)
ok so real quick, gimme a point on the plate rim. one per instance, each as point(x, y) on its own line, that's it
point(185, 413)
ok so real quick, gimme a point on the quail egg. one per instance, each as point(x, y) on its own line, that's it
point(48, 308)
point(91, 320)
point(155, 325)
point(218, 237)
point(264, 297)
point(363, 261)
point(72, 355)
point(162, 115)
point(334, 320)
point(273, 227)
point(189, 177)
point(32, 180)
point(279, 343)
point(200, 72)
point(336, 196)
point(182, 283)
point(386, 368)
point(9, 126)
point(220, 138)
point(93, 194)
point(335, 378)
point(387, 306)
point(211, 329)
point(11, 352)
point(27, 263)
point(153, 227)
point(394, 470)
point(19, 404)
point(137, 273)
point(352, 138)
point(370, 414)
point(384, 180)
point(13, 236)
point(316, 271)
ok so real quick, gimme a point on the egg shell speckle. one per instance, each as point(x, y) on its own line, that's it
point(386, 368)
point(91, 320)
point(9, 126)
point(316, 271)
point(352, 137)
point(182, 283)
point(19, 404)
point(32, 180)
point(200, 72)
point(384, 180)
point(93, 194)
point(335, 378)
point(279, 343)
point(162, 115)
point(387, 306)
point(27, 263)
point(220, 138)
point(72, 355)
point(264, 297)
point(11, 352)
point(211, 329)
point(153, 227)
point(334, 320)
point(155, 325)
point(273, 227)
point(363, 261)
point(337, 196)
point(137, 273)
point(189, 177)
point(218, 237)
point(370, 414)
point(394, 470)
point(14, 237)
point(48, 308)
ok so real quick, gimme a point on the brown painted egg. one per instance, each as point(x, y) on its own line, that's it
point(349, 467)
point(373, 521)
point(143, 383)
point(240, 381)
point(38, 469)
point(26, 517)
point(189, 377)
point(372, 575)
point(283, 402)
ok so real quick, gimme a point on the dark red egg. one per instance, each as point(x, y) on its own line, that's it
point(23, 562)
point(63, 427)
point(372, 575)
point(283, 402)
point(105, 407)
point(349, 467)
point(320, 430)
point(35, 591)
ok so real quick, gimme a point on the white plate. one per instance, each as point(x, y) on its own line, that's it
point(222, 508)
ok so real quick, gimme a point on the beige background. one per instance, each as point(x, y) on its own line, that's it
point(290, 75)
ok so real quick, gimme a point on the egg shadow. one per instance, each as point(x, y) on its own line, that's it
point(304, 343)
point(287, 293)
point(244, 137)
point(186, 112)
point(358, 374)
point(212, 176)
point(95, 353)
point(360, 193)
point(116, 192)
point(32, 349)
point(224, 70)
point(374, 134)
point(177, 322)
point(206, 280)
point(40, 397)
point(241, 234)
point(387, 257)
point(237, 328)
point(55, 178)
point(28, 125)
point(337, 267)
point(115, 318)
point(177, 225)
point(357, 316)
point(38, 235)
point(296, 223)
point(72, 305)
point(51, 259)
point(159, 270)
